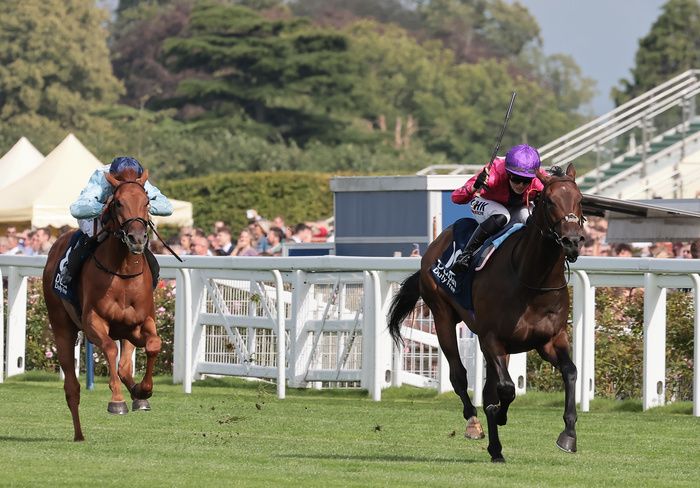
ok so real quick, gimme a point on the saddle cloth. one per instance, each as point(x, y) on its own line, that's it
point(459, 285)
point(64, 291)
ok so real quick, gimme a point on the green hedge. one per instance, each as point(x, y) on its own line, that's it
point(619, 346)
point(297, 196)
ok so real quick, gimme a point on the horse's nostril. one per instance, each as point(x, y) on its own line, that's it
point(131, 239)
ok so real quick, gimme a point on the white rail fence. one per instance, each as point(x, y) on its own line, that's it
point(331, 311)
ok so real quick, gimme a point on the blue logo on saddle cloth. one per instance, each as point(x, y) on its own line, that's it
point(61, 289)
point(459, 285)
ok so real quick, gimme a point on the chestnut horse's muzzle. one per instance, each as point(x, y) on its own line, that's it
point(135, 237)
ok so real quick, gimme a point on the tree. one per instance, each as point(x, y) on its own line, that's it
point(279, 73)
point(54, 62)
point(137, 51)
point(671, 47)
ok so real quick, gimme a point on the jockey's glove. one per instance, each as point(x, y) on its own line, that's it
point(481, 180)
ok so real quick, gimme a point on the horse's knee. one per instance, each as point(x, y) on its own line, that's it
point(569, 372)
point(506, 391)
point(153, 345)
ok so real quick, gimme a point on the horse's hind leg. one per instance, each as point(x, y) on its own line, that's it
point(557, 353)
point(65, 336)
point(447, 336)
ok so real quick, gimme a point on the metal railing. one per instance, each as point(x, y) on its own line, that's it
point(348, 322)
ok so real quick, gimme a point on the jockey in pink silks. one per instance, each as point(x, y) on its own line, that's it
point(507, 189)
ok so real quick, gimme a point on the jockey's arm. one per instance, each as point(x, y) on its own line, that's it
point(465, 194)
point(160, 205)
point(91, 200)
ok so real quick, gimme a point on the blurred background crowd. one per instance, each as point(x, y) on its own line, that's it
point(261, 237)
point(269, 237)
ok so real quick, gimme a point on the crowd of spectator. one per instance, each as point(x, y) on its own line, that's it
point(262, 237)
point(596, 245)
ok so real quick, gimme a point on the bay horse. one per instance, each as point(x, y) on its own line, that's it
point(115, 291)
point(520, 300)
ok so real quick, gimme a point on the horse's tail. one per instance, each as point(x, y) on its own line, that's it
point(403, 303)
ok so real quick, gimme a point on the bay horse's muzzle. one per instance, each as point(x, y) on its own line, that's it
point(572, 243)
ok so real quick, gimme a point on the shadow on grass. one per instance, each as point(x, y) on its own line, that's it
point(12, 438)
point(392, 458)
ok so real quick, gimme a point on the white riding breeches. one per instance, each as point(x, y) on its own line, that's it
point(483, 209)
point(88, 226)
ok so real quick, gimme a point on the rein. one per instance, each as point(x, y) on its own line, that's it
point(549, 233)
point(121, 235)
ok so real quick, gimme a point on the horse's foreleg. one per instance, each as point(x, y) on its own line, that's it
point(499, 393)
point(491, 409)
point(567, 439)
point(447, 337)
point(97, 331)
point(152, 344)
point(126, 365)
point(557, 353)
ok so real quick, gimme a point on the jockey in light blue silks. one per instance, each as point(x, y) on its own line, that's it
point(90, 204)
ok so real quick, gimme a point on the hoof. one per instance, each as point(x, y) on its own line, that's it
point(566, 443)
point(498, 460)
point(138, 393)
point(117, 408)
point(474, 429)
point(140, 405)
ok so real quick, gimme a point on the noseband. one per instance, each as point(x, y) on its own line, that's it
point(551, 232)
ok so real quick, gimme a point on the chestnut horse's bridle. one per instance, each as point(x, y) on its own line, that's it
point(121, 234)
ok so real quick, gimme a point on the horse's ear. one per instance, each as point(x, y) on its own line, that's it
point(571, 171)
point(543, 176)
point(142, 179)
point(111, 179)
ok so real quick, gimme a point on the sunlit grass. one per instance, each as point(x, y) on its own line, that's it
point(232, 432)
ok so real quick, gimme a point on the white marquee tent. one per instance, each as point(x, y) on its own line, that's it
point(43, 196)
point(21, 159)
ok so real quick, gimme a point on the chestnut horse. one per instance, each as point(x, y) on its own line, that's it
point(521, 302)
point(116, 295)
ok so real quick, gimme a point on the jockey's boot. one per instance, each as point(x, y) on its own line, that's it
point(153, 264)
point(485, 230)
point(85, 246)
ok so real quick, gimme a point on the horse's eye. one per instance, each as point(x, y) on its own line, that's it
point(118, 203)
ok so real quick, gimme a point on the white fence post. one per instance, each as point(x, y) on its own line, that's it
point(696, 354)
point(517, 369)
point(478, 373)
point(17, 321)
point(654, 383)
point(2, 329)
point(297, 334)
point(183, 316)
point(584, 334)
point(281, 336)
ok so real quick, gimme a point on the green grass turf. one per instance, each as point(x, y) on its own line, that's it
point(231, 432)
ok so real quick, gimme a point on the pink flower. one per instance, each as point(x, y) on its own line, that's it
point(49, 354)
point(160, 309)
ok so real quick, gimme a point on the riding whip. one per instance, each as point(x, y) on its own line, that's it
point(503, 130)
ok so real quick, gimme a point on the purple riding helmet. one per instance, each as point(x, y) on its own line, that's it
point(523, 160)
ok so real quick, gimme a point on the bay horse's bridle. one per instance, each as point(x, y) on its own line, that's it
point(551, 232)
